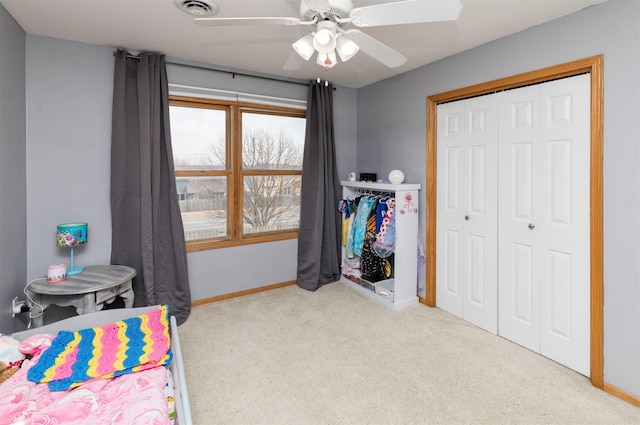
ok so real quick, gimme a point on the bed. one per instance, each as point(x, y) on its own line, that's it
point(124, 387)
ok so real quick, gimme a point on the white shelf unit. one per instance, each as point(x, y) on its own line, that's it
point(405, 268)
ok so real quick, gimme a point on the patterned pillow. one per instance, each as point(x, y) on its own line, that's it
point(9, 353)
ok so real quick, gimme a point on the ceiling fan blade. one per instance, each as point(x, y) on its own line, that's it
point(405, 12)
point(377, 50)
point(276, 20)
point(318, 5)
point(294, 62)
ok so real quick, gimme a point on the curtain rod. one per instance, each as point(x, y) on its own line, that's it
point(233, 73)
point(242, 74)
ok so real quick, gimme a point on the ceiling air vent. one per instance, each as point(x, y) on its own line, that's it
point(337, 8)
point(198, 7)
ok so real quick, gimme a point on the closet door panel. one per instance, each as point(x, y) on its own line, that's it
point(449, 290)
point(520, 262)
point(477, 180)
point(451, 269)
point(522, 181)
point(476, 243)
point(523, 311)
point(466, 240)
point(475, 270)
point(452, 259)
point(523, 295)
point(559, 324)
point(452, 179)
point(565, 286)
point(480, 254)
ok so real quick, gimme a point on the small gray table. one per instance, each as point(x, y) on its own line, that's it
point(86, 291)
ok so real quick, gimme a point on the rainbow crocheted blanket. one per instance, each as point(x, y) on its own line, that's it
point(104, 352)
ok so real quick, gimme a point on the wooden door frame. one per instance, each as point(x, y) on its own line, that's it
point(595, 66)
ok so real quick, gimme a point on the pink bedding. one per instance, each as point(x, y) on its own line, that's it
point(138, 398)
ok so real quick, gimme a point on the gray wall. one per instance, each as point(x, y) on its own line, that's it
point(13, 223)
point(69, 96)
point(392, 134)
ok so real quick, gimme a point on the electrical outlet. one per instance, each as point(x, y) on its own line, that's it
point(19, 306)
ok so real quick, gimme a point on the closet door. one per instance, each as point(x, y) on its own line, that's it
point(565, 283)
point(544, 267)
point(520, 158)
point(466, 240)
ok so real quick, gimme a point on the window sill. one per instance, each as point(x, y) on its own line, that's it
point(196, 246)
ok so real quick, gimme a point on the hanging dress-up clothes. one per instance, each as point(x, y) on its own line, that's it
point(352, 219)
point(381, 211)
point(363, 211)
point(374, 268)
point(345, 206)
point(386, 237)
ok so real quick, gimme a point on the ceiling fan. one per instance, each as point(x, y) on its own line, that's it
point(331, 16)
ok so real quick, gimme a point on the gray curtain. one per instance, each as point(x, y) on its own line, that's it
point(318, 235)
point(147, 232)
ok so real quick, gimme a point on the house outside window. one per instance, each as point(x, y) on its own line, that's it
point(238, 170)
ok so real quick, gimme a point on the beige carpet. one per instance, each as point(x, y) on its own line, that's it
point(289, 356)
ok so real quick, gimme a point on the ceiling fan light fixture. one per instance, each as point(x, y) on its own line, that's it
point(304, 47)
point(324, 41)
point(328, 60)
point(346, 48)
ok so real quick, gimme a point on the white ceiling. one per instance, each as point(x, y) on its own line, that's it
point(160, 26)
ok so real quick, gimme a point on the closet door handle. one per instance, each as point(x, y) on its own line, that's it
point(466, 217)
point(531, 226)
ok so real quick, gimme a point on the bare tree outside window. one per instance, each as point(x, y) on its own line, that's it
point(270, 202)
point(266, 149)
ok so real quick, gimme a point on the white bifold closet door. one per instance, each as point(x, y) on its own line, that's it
point(512, 237)
point(544, 243)
point(467, 235)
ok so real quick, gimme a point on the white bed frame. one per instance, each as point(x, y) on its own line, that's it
point(103, 317)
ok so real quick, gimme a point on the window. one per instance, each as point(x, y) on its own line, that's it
point(238, 171)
